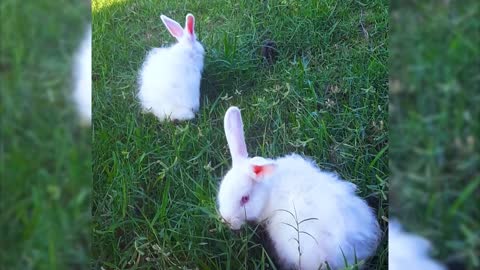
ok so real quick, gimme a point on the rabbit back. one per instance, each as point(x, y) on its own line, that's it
point(331, 216)
point(169, 84)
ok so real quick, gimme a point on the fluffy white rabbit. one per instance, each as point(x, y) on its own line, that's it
point(82, 78)
point(408, 251)
point(169, 79)
point(333, 221)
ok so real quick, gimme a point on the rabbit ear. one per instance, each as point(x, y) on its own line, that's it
point(234, 132)
point(190, 24)
point(260, 171)
point(173, 27)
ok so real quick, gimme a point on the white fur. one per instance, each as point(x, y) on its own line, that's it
point(82, 74)
point(169, 80)
point(408, 251)
point(342, 222)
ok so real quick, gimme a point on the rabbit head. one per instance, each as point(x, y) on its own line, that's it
point(243, 192)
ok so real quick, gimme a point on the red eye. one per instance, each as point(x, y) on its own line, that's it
point(244, 200)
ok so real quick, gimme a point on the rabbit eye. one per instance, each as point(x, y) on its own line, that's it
point(244, 200)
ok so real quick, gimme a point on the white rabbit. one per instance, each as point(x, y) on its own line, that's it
point(169, 79)
point(82, 78)
point(333, 221)
point(408, 251)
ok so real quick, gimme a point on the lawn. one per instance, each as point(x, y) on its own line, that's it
point(434, 126)
point(45, 156)
point(326, 97)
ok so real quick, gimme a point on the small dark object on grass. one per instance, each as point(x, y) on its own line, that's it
point(269, 51)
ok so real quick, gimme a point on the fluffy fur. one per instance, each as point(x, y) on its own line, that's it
point(408, 251)
point(82, 76)
point(281, 192)
point(169, 80)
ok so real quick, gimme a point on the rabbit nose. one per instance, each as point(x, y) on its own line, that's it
point(230, 222)
point(224, 221)
point(227, 221)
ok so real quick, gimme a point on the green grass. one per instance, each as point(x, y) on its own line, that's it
point(155, 184)
point(435, 161)
point(45, 157)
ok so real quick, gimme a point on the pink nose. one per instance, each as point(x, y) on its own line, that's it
point(225, 221)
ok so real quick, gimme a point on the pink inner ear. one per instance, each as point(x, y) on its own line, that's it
point(262, 170)
point(190, 23)
point(257, 169)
